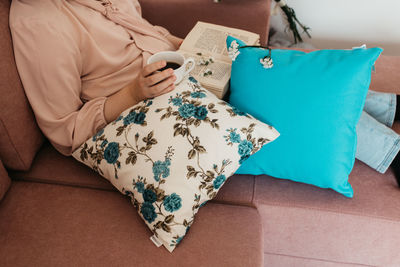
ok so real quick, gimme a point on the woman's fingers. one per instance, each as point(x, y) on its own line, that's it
point(163, 86)
point(152, 83)
point(167, 90)
point(158, 77)
point(149, 69)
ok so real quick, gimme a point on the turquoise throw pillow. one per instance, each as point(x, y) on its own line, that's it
point(314, 100)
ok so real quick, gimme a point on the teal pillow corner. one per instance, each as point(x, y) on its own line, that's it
point(314, 100)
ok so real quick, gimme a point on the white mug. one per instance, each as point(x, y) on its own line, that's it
point(174, 57)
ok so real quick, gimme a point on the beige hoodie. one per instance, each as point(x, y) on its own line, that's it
point(72, 54)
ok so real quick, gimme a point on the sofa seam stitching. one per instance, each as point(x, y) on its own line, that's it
point(116, 191)
point(38, 181)
point(317, 259)
point(331, 211)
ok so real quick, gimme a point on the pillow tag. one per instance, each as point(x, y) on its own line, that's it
point(364, 46)
point(156, 241)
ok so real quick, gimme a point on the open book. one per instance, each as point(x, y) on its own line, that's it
point(206, 44)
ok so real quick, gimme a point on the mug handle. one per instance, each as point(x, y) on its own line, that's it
point(187, 61)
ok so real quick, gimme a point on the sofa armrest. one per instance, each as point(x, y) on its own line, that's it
point(385, 77)
point(4, 180)
point(179, 16)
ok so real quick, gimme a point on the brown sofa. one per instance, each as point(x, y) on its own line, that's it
point(55, 211)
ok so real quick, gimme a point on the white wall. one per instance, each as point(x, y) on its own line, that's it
point(347, 23)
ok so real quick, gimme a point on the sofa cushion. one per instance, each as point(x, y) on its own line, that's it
point(304, 221)
point(4, 181)
point(252, 16)
point(68, 226)
point(52, 167)
point(20, 137)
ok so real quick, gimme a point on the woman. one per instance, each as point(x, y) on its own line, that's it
point(82, 62)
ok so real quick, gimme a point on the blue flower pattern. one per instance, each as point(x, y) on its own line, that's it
point(111, 153)
point(219, 181)
point(172, 202)
point(161, 168)
point(245, 148)
point(193, 80)
point(140, 117)
point(104, 143)
point(134, 117)
point(187, 110)
point(198, 95)
point(130, 118)
point(148, 212)
point(149, 196)
point(200, 113)
point(179, 239)
point(235, 138)
point(139, 187)
point(176, 101)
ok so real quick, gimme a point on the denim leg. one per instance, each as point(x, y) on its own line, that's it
point(377, 144)
point(381, 106)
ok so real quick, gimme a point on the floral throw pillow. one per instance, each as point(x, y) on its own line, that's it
point(173, 153)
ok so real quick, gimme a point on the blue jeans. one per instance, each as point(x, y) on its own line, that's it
point(377, 143)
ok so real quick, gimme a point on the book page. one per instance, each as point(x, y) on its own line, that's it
point(221, 72)
point(210, 39)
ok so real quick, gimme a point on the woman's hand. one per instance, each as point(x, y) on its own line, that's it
point(149, 83)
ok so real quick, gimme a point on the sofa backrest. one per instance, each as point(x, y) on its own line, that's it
point(251, 15)
point(20, 137)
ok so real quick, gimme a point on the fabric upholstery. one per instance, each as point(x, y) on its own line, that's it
point(4, 181)
point(385, 78)
point(285, 260)
point(51, 167)
point(308, 222)
point(71, 226)
point(78, 244)
point(180, 22)
point(238, 190)
point(20, 137)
